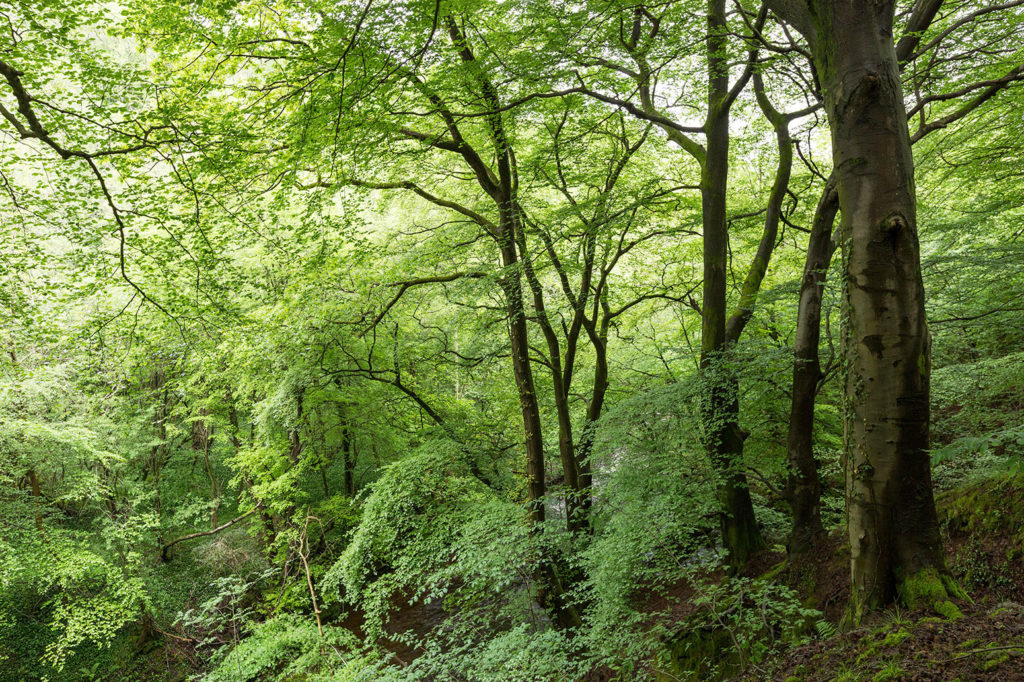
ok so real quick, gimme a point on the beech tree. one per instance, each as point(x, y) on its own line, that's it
point(445, 339)
point(892, 524)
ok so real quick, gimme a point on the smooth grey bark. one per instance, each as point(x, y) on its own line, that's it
point(893, 527)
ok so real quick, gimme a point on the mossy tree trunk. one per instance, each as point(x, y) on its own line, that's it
point(723, 438)
point(893, 528)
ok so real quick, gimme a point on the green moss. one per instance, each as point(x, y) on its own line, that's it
point(954, 590)
point(873, 644)
point(993, 661)
point(896, 638)
point(697, 654)
point(929, 589)
point(893, 671)
point(991, 505)
point(799, 674)
point(922, 589)
point(869, 653)
point(948, 610)
point(773, 572)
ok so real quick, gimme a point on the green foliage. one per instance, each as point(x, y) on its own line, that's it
point(226, 614)
point(752, 620)
point(287, 647)
point(979, 425)
point(259, 264)
point(62, 586)
point(520, 655)
point(408, 531)
point(651, 526)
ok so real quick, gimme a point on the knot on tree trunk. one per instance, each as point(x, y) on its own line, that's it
point(895, 222)
point(894, 227)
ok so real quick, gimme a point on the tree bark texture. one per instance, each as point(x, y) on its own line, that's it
point(803, 486)
point(512, 287)
point(559, 383)
point(893, 528)
point(724, 441)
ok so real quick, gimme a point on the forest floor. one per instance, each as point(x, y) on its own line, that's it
point(983, 526)
point(985, 643)
point(983, 533)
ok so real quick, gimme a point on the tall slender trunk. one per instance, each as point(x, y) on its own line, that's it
point(895, 545)
point(560, 389)
point(552, 591)
point(348, 459)
point(267, 534)
point(501, 186)
point(803, 487)
point(202, 440)
point(511, 284)
point(724, 441)
point(158, 452)
point(37, 493)
point(599, 340)
point(295, 445)
point(575, 492)
point(214, 488)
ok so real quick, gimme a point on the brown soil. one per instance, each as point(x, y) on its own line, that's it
point(984, 644)
point(983, 528)
point(407, 620)
point(824, 580)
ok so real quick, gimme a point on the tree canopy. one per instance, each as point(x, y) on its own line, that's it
point(448, 339)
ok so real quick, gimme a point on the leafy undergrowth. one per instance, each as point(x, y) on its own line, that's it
point(983, 525)
point(778, 620)
point(983, 528)
point(984, 537)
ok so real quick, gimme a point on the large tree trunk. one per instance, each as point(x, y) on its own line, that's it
point(894, 533)
point(803, 487)
point(723, 439)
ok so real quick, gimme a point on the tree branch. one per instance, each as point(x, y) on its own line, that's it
point(192, 536)
point(408, 284)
